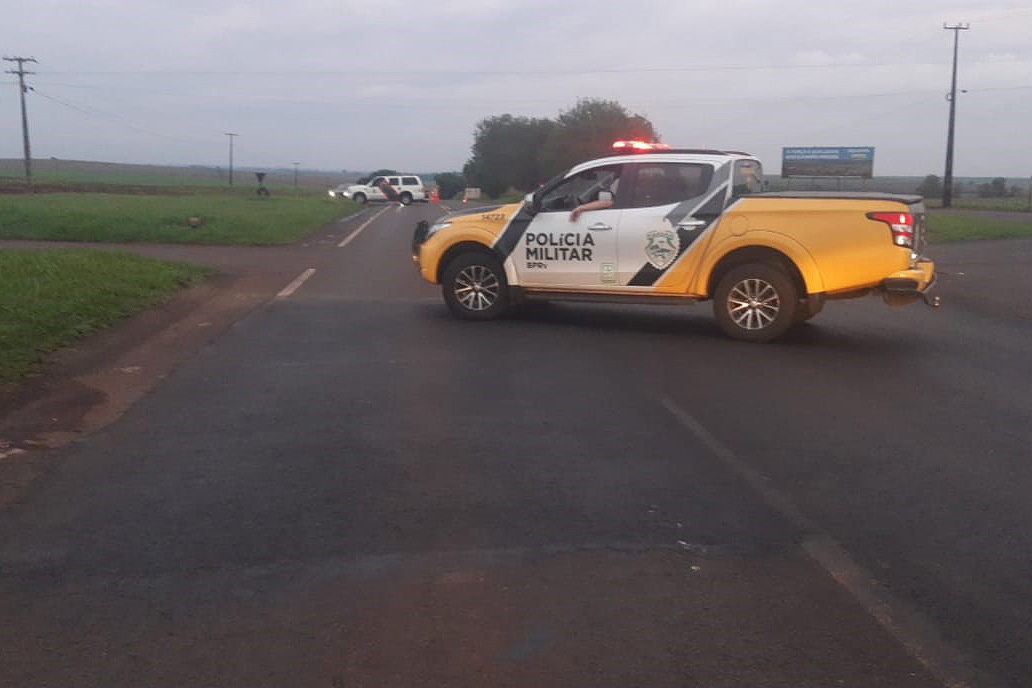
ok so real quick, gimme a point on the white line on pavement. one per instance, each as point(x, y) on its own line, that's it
point(296, 284)
point(916, 633)
point(347, 240)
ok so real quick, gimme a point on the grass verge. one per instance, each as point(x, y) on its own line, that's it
point(226, 218)
point(1009, 204)
point(51, 298)
point(943, 228)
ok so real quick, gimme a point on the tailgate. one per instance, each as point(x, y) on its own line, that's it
point(920, 227)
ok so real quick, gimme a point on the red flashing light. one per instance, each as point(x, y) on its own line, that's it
point(640, 146)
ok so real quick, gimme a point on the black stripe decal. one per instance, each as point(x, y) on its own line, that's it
point(512, 233)
point(708, 206)
point(650, 274)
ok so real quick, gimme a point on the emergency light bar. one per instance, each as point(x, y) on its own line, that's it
point(639, 146)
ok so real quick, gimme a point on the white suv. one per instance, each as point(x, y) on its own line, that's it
point(407, 187)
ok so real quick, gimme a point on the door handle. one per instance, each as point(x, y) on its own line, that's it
point(691, 224)
point(599, 226)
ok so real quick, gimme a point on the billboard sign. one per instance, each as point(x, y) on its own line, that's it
point(827, 161)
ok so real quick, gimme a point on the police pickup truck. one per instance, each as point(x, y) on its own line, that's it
point(651, 224)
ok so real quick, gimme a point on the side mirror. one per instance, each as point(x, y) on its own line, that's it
point(533, 203)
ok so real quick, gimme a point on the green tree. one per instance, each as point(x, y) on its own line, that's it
point(449, 183)
point(931, 187)
point(588, 130)
point(997, 188)
point(378, 173)
point(504, 153)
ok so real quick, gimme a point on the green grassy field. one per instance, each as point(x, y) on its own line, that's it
point(79, 175)
point(51, 298)
point(1010, 204)
point(943, 228)
point(74, 177)
point(227, 218)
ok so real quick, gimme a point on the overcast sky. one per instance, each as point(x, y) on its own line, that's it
point(382, 83)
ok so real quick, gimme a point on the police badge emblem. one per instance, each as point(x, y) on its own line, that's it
point(661, 247)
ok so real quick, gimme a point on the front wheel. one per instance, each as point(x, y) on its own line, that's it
point(475, 287)
point(755, 302)
point(359, 198)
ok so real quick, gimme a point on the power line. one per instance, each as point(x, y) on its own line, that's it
point(25, 118)
point(115, 119)
point(365, 73)
point(947, 182)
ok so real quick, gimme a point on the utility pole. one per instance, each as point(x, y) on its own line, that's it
point(947, 182)
point(231, 156)
point(24, 115)
point(295, 173)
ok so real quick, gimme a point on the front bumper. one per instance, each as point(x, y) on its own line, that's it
point(907, 286)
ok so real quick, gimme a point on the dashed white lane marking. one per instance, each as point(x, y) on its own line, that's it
point(347, 240)
point(296, 284)
point(10, 452)
point(910, 628)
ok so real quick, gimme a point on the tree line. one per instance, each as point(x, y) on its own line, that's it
point(521, 153)
point(932, 187)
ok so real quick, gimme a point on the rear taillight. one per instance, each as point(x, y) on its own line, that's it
point(901, 224)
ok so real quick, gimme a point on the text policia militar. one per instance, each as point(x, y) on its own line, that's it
point(561, 246)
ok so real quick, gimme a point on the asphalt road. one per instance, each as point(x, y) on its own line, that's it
point(350, 488)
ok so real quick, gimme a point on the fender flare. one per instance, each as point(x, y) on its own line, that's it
point(469, 238)
point(786, 245)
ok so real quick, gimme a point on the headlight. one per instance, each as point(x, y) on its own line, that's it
point(330, 192)
point(434, 229)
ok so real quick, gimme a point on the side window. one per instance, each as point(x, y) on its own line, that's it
point(393, 181)
point(748, 178)
point(376, 182)
point(409, 181)
point(583, 187)
point(663, 183)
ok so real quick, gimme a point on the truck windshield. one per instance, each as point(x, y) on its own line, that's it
point(748, 178)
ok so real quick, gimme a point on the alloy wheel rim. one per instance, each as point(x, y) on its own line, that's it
point(477, 287)
point(753, 304)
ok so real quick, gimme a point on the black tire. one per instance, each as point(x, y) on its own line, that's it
point(359, 198)
point(405, 198)
point(475, 288)
point(755, 302)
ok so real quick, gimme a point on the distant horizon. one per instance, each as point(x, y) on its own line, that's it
point(17, 164)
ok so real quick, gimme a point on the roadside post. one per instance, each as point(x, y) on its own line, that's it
point(262, 191)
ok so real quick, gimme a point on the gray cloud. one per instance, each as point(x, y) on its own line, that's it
point(360, 85)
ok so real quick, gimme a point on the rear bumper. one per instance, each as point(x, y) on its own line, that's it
point(907, 286)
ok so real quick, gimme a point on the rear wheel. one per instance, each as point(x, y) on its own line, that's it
point(755, 302)
point(359, 198)
point(405, 198)
point(475, 288)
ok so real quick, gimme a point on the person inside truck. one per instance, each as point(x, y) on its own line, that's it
point(603, 198)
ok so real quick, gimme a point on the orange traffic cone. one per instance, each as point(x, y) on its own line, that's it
point(435, 197)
